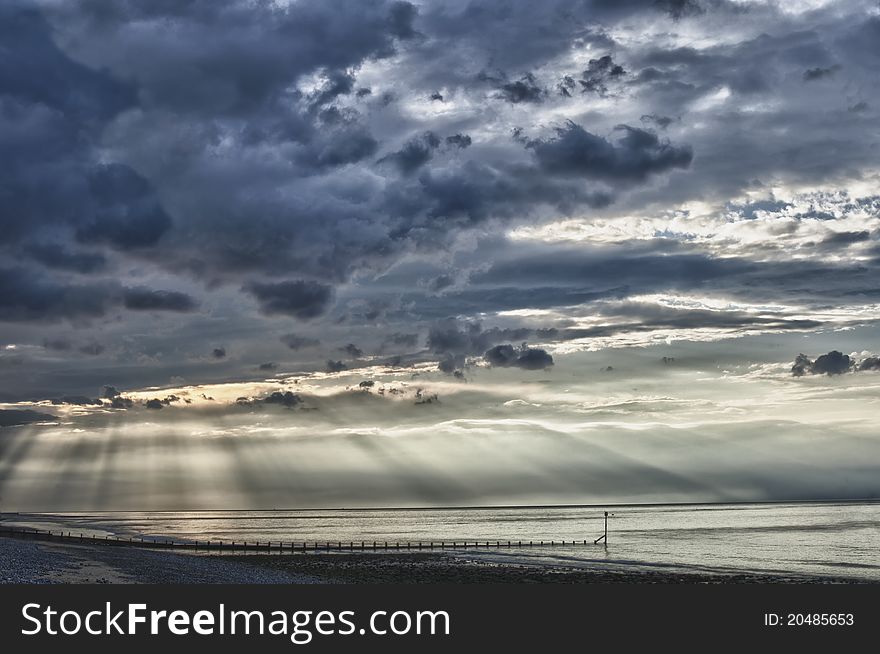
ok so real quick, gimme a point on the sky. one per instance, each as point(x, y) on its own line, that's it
point(306, 253)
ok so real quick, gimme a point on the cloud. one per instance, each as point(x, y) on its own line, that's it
point(812, 74)
point(844, 239)
point(335, 366)
point(414, 154)
point(57, 344)
point(833, 363)
point(353, 351)
point(300, 299)
point(144, 299)
point(678, 9)
point(451, 337)
point(870, 363)
point(634, 156)
point(120, 402)
point(296, 342)
point(12, 417)
point(599, 74)
point(28, 297)
point(127, 214)
point(58, 257)
point(92, 349)
point(506, 356)
point(77, 400)
point(219, 56)
point(268, 366)
point(398, 339)
point(109, 392)
point(660, 121)
point(460, 141)
point(285, 398)
point(525, 89)
point(232, 147)
point(219, 353)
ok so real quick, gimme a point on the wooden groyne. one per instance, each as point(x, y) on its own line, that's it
point(282, 546)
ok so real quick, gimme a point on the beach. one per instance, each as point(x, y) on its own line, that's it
point(40, 562)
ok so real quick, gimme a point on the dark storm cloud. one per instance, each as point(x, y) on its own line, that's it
point(414, 154)
point(144, 299)
point(812, 74)
point(296, 342)
point(92, 349)
point(51, 111)
point(453, 342)
point(201, 76)
point(599, 74)
point(461, 141)
point(401, 340)
point(833, 363)
point(228, 142)
point(460, 197)
point(440, 282)
point(300, 299)
point(566, 86)
point(120, 402)
point(56, 256)
point(525, 89)
point(612, 268)
point(352, 351)
point(127, 214)
point(57, 344)
point(286, 399)
point(844, 239)
point(77, 400)
point(660, 121)
point(506, 356)
point(678, 9)
point(633, 156)
point(219, 353)
point(12, 417)
point(35, 69)
point(26, 297)
point(870, 363)
point(109, 392)
point(338, 83)
point(234, 56)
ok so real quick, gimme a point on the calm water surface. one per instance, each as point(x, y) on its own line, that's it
point(826, 539)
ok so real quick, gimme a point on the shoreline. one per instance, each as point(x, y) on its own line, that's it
point(35, 561)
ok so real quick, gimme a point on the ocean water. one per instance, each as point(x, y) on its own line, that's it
point(838, 539)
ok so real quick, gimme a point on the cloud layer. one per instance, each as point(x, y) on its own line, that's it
point(424, 182)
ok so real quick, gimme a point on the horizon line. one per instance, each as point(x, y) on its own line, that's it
point(463, 508)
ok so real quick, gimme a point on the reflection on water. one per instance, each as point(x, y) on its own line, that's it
point(839, 538)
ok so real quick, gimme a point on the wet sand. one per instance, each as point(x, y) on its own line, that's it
point(28, 561)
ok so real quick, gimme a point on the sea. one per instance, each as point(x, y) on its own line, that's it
point(810, 539)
